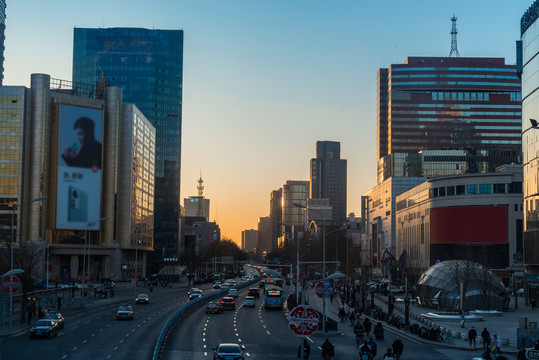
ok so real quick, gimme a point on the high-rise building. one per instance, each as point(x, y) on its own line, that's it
point(248, 239)
point(89, 159)
point(2, 37)
point(148, 66)
point(263, 235)
point(463, 104)
point(294, 191)
point(528, 61)
point(276, 216)
point(328, 177)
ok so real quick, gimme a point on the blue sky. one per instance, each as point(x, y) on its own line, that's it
point(264, 80)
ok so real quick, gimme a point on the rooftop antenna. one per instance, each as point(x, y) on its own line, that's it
point(454, 51)
point(200, 187)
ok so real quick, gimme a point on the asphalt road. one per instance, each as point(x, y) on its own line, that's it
point(96, 334)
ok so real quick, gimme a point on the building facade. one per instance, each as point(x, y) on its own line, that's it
point(263, 236)
point(148, 66)
point(328, 177)
point(529, 63)
point(197, 206)
point(445, 103)
point(248, 240)
point(2, 37)
point(67, 144)
point(294, 191)
point(476, 217)
point(276, 216)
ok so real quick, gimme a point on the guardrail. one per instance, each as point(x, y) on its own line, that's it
point(184, 310)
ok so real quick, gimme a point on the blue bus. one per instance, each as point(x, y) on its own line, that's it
point(273, 297)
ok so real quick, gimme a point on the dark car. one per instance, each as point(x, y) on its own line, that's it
point(110, 285)
point(194, 293)
point(228, 351)
point(228, 303)
point(262, 283)
point(254, 292)
point(56, 316)
point(142, 299)
point(44, 328)
point(214, 307)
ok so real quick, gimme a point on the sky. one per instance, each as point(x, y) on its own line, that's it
point(263, 81)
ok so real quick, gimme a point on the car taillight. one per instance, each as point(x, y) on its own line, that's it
point(222, 302)
point(232, 302)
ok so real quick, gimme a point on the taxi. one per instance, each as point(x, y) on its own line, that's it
point(214, 307)
point(124, 312)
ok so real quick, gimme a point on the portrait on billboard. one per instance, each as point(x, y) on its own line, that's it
point(85, 150)
point(79, 167)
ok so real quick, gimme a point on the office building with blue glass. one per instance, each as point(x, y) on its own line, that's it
point(148, 66)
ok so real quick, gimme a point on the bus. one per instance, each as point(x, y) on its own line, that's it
point(273, 297)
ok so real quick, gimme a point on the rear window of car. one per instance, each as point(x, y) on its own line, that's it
point(229, 349)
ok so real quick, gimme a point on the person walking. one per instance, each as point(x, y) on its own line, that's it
point(496, 345)
point(472, 334)
point(533, 304)
point(59, 301)
point(521, 355)
point(306, 350)
point(486, 338)
point(398, 347)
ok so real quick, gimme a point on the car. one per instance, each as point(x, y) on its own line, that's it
point(254, 292)
point(216, 284)
point(142, 299)
point(44, 328)
point(124, 312)
point(233, 293)
point(249, 301)
point(214, 307)
point(243, 280)
point(228, 303)
point(194, 293)
point(262, 283)
point(225, 287)
point(110, 285)
point(56, 316)
point(228, 351)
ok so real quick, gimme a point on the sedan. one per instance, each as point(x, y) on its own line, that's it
point(249, 301)
point(44, 328)
point(233, 293)
point(142, 299)
point(229, 352)
point(228, 303)
point(56, 316)
point(214, 307)
point(195, 293)
point(124, 312)
point(254, 292)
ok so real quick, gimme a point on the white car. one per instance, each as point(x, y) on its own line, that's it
point(233, 293)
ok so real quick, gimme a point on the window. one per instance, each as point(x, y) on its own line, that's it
point(485, 188)
point(460, 190)
point(515, 188)
point(471, 189)
point(450, 191)
point(441, 191)
point(499, 188)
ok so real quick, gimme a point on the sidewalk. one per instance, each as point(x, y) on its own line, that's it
point(122, 293)
point(504, 326)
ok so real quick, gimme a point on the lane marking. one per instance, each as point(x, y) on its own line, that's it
point(63, 357)
point(74, 327)
point(92, 335)
point(115, 348)
point(268, 332)
point(75, 348)
point(84, 341)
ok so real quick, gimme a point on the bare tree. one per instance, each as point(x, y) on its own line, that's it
point(460, 272)
point(28, 258)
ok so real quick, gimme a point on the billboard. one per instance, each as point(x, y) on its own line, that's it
point(469, 224)
point(79, 168)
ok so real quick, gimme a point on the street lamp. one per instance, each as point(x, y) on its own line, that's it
point(135, 266)
point(15, 207)
point(83, 264)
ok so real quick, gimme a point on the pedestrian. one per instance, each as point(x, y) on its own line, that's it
point(536, 347)
point(29, 313)
point(398, 347)
point(34, 308)
point(342, 315)
point(521, 355)
point(496, 345)
point(59, 301)
point(472, 334)
point(388, 354)
point(372, 346)
point(533, 303)
point(486, 338)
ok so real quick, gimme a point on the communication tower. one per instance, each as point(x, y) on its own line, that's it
point(454, 51)
point(200, 187)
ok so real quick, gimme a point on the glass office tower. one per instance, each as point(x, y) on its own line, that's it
point(148, 65)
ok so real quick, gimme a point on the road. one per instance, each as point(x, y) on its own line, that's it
point(97, 334)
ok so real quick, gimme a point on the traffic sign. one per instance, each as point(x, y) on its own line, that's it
point(326, 293)
point(83, 277)
point(303, 320)
point(135, 274)
point(319, 289)
point(327, 284)
point(11, 284)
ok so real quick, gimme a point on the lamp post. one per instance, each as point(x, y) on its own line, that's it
point(15, 207)
point(135, 267)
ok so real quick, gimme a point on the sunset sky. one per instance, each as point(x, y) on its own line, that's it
point(265, 80)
